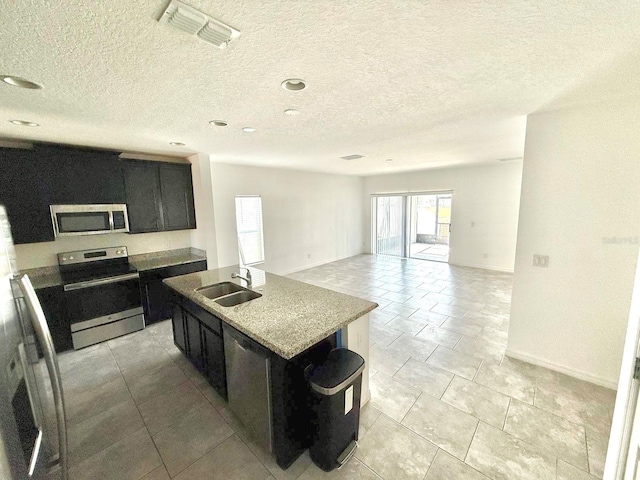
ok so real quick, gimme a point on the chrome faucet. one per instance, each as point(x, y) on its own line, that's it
point(246, 279)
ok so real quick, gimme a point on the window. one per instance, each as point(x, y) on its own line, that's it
point(249, 226)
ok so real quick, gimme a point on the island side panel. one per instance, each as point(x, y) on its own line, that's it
point(355, 337)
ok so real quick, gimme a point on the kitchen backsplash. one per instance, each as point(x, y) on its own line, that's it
point(34, 255)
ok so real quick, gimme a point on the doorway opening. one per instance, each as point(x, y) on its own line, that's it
point(416, 225)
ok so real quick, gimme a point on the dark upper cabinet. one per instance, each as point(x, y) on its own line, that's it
point(142, 190)
point(23, 191)
point(159, 196)
point(80, 176)
point(176, 189)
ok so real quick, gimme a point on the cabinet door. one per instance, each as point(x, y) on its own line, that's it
point(80, 176)
point(214, 360)
point(142, 189)
point(53, 306)
point(177, 196)
point(156, 301)
point(22, 191)
point(178, 328)
point(194, 340)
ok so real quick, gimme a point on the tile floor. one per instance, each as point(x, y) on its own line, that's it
point(446, 403)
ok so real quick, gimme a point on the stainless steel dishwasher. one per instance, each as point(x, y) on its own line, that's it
point(248, 384)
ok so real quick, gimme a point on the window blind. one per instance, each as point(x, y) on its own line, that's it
point(249, 227)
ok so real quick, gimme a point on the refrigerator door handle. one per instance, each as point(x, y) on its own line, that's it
point(44, 336)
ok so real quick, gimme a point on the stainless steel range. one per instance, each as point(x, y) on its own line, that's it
point(102, 294)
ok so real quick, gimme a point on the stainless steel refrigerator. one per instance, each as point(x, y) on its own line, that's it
point(33, 436)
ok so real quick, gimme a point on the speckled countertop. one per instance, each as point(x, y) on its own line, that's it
point(44, 277)
point(149, 261)
point(290, 316)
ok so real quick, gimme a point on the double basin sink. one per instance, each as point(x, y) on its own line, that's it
point(228, 294)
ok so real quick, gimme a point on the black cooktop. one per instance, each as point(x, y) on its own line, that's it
point(95, 270)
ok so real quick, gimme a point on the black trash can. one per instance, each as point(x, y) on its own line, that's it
point(335, 385)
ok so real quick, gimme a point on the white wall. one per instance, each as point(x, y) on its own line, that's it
point(484, 215)
point(32, 255)
point(204, 236)
point(580, 187)
point(308, 218)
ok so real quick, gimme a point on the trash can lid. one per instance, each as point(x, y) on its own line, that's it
point(340, 368)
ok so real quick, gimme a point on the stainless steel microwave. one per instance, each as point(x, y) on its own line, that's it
point(71, 220)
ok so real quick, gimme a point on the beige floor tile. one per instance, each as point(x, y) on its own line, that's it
point(399, 309)
point(481, 402)
point(441, 424)
point(550, 433)
point(447, 467)
point(429, 317)
point(213, 396)
point(159, 473)
point(83, 404)
point(391, 397)
point(505, 380)
point(443, 337)
point(385, 360)
point(353, 470)
point(481, 349)
point(502, 456)
point(416, 348)
point(597, 444)
point(462, 326)
point(455, 362)
point(232, 459)
point(569, 472)
point(155, 382)
point(427, 378)
point(579, 402)
point(368, 415)
point(382, 336)
point(98, 432)
point(185, 441)
point(135, 361)
point(164, 410)
point(448, 310)
point(406, 325)
point(395, 452)
point(128, 459)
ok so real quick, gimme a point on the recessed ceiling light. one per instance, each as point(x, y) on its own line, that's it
point(218, 123)
point(248, 129)
point(352, 157)
point(294, 84)
point(20, 82)
point(389, 160)
point(24, 123)
point(291, 112)
point(511, 159)
point(176, 144)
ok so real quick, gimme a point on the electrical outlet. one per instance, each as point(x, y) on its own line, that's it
point(485, 256)
point(541, 261)
point(308, 255)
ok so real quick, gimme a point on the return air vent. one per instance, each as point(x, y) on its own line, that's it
point(352, 157)
point(194, 22)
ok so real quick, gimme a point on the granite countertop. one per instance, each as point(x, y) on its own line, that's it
point(44, 277)
point(167, 258)
point(290, 316)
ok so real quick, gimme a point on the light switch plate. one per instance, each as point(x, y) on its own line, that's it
point(541, 261)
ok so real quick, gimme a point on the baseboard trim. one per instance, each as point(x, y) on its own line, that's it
point(572, 372)
point(483, 267)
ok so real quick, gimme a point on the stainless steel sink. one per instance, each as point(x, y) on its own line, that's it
point(219, 290)
point(238, 298)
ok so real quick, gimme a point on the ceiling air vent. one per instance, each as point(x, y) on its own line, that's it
point(352, 157)
point(194, 22)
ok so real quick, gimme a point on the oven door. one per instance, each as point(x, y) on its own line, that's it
point(104, 308)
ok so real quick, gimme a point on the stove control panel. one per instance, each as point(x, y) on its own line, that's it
point(86, 256)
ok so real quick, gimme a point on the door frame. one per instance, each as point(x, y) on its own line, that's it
point(406, 213)
point(628, 393)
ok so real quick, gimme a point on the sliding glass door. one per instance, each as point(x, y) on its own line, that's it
point(412, 225)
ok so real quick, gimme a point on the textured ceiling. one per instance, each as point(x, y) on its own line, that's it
point(425, 83)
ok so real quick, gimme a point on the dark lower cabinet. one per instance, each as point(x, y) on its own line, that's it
point(156, 296)
point(53, 306)
point(199, 335)
point(214, 359)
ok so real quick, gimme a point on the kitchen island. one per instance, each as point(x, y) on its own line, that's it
point(291, 324)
